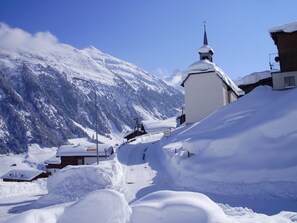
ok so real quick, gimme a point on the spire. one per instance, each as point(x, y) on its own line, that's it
point(205, 51)
point(205, 42)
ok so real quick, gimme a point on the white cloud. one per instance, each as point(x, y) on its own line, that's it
point(15, 38)
point(161, 73)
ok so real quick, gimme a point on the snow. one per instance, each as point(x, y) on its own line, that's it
point(246, 149)
point(53, 160)
point(94, 206)
point(19, 174)
point(151, 125)
point(287, 28)
point(202, 66)
point(253, 78)
point(82, 180)
point(89, 149)
point(205, 49)
point(219, 170)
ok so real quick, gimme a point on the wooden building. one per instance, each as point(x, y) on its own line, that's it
point(26, 175)
point(285, 38)
point(83, 154)
point(256, 79)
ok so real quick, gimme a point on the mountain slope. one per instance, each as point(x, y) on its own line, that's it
point(41, 103)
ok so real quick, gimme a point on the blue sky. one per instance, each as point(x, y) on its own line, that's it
point(160, 36)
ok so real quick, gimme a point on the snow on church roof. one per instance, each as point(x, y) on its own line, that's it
point(287, 28)
point(203, 66)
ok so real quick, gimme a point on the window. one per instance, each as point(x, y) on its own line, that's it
point(289, 81)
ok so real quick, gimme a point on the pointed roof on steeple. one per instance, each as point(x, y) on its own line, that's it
point(205, 42)
point(205, 48)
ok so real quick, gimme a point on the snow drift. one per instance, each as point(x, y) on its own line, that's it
point(110, 206)
point(74, 182)
point(245, 148)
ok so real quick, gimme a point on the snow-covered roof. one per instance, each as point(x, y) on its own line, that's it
point(84, 150)
point(159, 125)
point(53, 160)
point(203, 66)
point(19, 174)
point(254, 78)
point(287, 28)
point(205, 49)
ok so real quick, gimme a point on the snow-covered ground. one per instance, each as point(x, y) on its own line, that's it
point(238, 165)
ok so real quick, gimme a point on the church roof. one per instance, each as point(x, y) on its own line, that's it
point(204, 66)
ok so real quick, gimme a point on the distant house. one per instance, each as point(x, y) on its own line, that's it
point(156, 126)
point(83, 154)
point(285, 38)
point(19, 175)
point(207, 87)
point(134, 134)
point(52, 165)
point(152, 126)
point(251, 81)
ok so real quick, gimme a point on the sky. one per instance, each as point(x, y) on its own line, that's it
point(160, 36)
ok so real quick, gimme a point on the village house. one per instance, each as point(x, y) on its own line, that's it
point(207, 87)
point(285, 38)
point(152, 126)
point(83, 154)
point(24, 175)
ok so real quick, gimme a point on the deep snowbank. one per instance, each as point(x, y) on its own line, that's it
point(74, 182)
point(245, 148)
point(175, 207)
point(110, 206)
point(13, 189)
point(99, 206)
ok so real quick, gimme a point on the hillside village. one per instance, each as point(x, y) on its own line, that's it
point(229, 155)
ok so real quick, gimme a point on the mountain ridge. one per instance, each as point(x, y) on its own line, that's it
point(40, 101)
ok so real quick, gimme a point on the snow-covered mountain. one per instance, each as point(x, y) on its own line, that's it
point(41, 103)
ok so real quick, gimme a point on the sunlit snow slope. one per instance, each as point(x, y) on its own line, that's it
point(246, 149)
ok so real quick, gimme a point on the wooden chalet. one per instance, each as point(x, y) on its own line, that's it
point(285, 38)
point(19, 175)
point(83, 154)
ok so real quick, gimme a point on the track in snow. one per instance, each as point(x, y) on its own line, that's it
point(143, 171)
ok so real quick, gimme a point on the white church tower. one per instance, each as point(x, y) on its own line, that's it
point(207, 87)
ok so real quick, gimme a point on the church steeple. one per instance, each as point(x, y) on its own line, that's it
point(205, 51)
point(205, 42)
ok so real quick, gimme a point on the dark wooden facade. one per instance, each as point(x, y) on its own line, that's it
point(287, 49)
point(249, 87)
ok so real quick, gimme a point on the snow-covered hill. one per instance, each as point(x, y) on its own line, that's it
point(41, 103)
point(243, 153)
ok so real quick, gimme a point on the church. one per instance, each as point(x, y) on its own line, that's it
point(207, 87)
